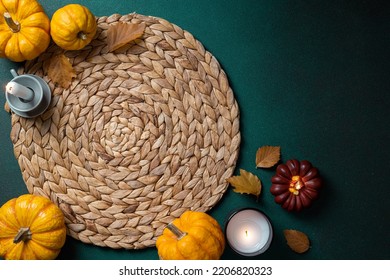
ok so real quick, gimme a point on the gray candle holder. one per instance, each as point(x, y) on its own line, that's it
point(38, 104)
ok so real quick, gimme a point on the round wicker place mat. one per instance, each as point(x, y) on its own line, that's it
point(142, 135)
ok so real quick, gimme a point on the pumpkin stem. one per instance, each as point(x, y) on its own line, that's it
point(81, 35)
point(13, 25)
point(24, 234)
point(176, 231)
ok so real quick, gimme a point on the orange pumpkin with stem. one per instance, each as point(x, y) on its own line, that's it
point(193, 236)
point(24, 29)
point(73, 26)
point(31, 227)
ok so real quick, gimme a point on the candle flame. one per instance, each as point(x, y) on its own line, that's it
point(246, 233)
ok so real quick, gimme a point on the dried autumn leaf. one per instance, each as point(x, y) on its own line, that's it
point(246, 183)
point(60, 71)
point(7, 108)
point(267, 156)
point(123, 33)
point(297, 240)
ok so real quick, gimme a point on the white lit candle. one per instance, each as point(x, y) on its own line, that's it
point(20, 91)
point(249, 232)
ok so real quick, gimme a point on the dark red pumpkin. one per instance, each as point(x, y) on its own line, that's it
point(296, 184)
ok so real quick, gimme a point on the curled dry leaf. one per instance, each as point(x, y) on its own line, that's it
point(7, 108)
point(297, 240)
point(60, 71)
point(267, 156)
point(247, 183)
point(123, 33)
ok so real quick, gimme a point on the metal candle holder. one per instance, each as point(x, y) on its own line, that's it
point(37, 90)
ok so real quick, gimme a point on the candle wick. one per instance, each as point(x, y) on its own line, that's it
point(246, 233)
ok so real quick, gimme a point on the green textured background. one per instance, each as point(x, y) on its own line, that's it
point(309, 76)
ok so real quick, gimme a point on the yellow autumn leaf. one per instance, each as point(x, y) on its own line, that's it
point(267, 156)
point(297, 240)
point(246, 182)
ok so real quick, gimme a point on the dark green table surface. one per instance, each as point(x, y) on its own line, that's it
point(309, 76)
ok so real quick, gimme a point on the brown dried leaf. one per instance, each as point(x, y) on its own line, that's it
point(122, 33)
point(60, 71)
point(247, 183)
point(6, 107)
point(267, 156)
point(297, 240)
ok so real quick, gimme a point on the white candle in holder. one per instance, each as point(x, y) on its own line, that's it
point(249, 232)
point(20, 91)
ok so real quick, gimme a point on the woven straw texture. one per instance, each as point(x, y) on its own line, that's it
point(142, 135)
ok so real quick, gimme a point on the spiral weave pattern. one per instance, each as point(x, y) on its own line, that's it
point(142, 135)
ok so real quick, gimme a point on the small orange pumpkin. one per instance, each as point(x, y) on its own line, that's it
point(24, 30)
point(193, 236)
point(73, 26)
point(31, 227)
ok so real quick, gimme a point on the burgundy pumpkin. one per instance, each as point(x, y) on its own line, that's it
point(296, 184)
